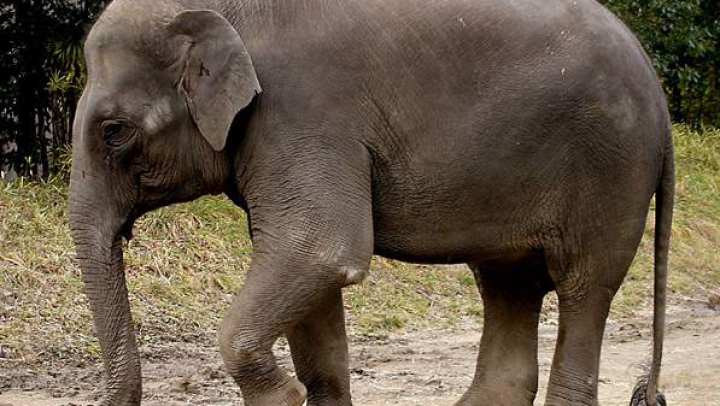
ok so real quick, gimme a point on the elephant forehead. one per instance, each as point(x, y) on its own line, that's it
point(124, 81)
point(120, 50)
point(158, 114)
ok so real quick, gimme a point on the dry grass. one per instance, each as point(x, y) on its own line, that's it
point(187, 261)
point(695, 251)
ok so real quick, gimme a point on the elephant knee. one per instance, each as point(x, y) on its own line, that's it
point(352, 275)
point(238, 347)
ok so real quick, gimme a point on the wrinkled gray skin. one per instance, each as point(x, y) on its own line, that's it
point(524, 137)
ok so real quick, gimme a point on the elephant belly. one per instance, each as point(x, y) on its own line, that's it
point(464, 194)
point(443, 246)
point(447, 220)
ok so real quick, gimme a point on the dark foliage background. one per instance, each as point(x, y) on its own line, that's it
point(42, 70)
point(41, 76)
point(683, 39)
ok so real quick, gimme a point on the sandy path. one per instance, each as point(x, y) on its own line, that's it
point(420, 368)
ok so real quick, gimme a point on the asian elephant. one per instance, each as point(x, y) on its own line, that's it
point(523, 137)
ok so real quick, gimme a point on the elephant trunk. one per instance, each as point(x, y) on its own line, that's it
point(96, 228)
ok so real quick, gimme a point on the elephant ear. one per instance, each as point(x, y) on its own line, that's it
point(218, 78)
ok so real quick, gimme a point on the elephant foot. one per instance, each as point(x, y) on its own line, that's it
point(639, 397)
point(494, 397)
point(292, 393)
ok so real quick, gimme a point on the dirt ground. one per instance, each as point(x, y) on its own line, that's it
point(412, 368)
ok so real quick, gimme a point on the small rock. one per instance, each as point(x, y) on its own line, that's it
point(187, 385)
point(215, 373)
point(714, 302)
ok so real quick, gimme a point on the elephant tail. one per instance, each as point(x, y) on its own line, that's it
point(664, 204)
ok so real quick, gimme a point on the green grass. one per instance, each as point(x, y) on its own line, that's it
point(187, 261)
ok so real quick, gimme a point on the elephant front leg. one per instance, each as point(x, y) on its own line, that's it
point(312, 236)
point(320, 354)
point(277, 300)
point(265, 308)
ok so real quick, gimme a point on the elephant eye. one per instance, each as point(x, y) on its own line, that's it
point(117, 133)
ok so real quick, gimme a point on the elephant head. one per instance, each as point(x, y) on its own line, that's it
point(164, 85)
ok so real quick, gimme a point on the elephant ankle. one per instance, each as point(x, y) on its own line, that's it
point(291, 393)
point(123, 397)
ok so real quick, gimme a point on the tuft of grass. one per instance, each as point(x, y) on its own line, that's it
point(188, 260)
point(183, 268)
point(398, 295)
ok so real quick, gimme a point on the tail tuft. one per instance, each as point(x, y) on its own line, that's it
point(639, 397)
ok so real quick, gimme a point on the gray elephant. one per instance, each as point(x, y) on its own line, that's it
point(525, 138)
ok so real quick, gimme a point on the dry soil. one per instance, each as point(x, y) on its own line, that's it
point(410, 368)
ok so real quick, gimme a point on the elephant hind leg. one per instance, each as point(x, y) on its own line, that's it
point(320, 353)
point(586, 281)
point(507, 367)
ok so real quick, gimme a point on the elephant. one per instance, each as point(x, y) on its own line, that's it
point(526, 138)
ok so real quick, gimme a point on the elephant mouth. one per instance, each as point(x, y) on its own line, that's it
point(126, 230)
